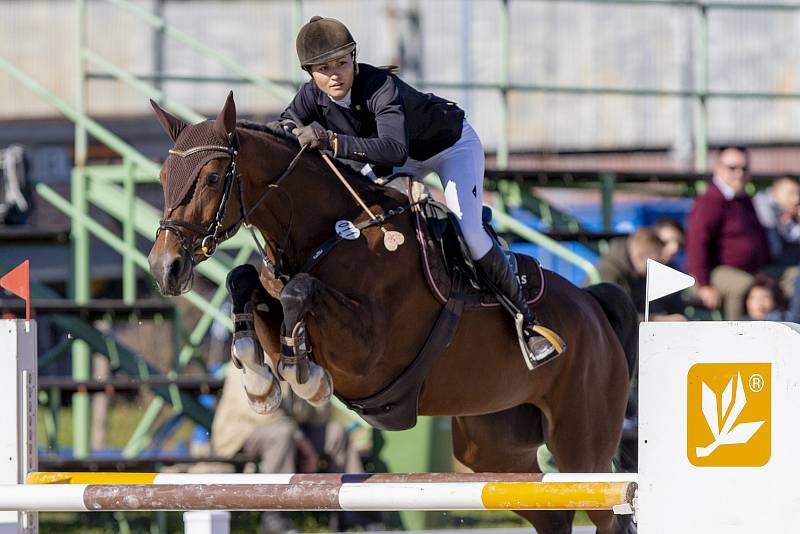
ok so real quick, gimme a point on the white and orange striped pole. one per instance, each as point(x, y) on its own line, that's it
point(417, 496)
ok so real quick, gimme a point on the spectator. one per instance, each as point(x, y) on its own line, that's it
point(670, 232)
point(777, 209)
point(296, 438)
point(763, 301)
point(725, 242)
point(625, 264)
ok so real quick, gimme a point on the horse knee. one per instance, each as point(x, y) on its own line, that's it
point(297, 297)
point(298, 290)
point(241, 282)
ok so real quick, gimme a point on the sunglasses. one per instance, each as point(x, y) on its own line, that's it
point(734, 168)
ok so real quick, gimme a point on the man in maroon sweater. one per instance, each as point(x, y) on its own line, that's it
point(725, 243)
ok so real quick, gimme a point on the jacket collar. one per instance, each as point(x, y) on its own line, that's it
point(726, 190)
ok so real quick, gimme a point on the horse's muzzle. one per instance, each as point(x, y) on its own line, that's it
point(172, 272)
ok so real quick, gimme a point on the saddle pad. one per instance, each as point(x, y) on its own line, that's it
point(529, 272)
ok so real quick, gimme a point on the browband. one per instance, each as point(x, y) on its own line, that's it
point(195, 150)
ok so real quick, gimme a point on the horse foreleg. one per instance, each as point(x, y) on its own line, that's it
point(263, 391)
point(307, 379)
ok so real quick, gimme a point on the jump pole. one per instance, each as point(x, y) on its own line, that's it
point(426, 496)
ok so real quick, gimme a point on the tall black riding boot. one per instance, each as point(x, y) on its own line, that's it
point(538, 343)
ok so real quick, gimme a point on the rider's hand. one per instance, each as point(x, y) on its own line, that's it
point(710, 296)
point(314, 137)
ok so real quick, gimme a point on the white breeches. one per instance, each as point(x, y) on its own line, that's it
point(460, 168)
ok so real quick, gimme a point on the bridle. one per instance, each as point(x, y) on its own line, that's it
point(205, 240)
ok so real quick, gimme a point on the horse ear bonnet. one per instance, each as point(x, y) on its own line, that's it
point(183, 171)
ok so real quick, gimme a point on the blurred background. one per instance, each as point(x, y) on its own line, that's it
point(599, 118)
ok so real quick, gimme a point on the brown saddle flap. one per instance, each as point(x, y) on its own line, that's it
point(529, 272)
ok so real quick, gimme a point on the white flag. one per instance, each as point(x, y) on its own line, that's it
point(663, 280)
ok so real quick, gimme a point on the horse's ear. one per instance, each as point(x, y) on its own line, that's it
point(225, 124)
point(172, 124)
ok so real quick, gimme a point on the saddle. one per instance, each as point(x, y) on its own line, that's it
point(445, 256)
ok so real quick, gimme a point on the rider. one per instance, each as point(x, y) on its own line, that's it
point(369, 115)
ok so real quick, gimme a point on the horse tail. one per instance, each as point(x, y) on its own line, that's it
point(621, 313)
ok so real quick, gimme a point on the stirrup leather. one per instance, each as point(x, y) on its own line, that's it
point(531, 360)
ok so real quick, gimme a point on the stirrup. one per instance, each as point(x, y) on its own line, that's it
point(549, 343)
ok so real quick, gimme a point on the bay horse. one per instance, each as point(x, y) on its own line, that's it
point(368, 310)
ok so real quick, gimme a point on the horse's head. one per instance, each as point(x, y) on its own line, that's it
point(201, 200)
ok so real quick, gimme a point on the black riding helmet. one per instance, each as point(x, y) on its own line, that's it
point(323, 39)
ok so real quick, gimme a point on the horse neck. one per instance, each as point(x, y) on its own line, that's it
point(318, 199)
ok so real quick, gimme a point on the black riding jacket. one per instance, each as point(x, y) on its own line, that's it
point(387, 122)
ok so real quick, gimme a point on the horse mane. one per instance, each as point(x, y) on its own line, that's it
point(273, 128)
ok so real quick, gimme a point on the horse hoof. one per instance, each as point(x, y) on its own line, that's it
point(317, 390)
point(262, 390)
point(264, 405)
point(323, 395)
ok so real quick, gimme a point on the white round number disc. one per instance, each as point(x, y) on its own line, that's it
point(392, 240)
point(347, 230)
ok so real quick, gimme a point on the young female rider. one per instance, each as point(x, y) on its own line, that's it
point(370, 115)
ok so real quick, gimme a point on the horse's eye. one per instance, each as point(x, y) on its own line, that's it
point(212, 178)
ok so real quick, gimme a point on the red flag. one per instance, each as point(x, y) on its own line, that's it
point(18, 282)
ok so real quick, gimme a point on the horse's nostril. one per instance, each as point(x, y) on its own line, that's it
point(175, 270)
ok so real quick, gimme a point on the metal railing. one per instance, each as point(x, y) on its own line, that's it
point(700, 93)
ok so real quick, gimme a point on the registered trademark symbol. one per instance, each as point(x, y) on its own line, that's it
point(756, 383)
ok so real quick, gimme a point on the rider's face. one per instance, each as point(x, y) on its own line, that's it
point(334, 78)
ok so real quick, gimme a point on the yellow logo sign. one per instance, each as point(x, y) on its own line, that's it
point(729, 414)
